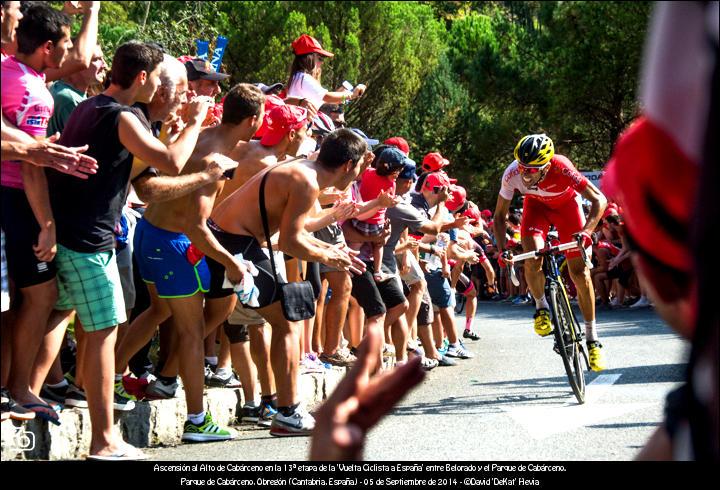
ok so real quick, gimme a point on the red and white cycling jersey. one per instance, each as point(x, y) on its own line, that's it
point(559, 186)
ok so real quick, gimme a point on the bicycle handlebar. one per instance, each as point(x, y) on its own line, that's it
point(548, 251)
point(545, 251)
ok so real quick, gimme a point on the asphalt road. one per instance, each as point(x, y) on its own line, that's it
point(512, 401)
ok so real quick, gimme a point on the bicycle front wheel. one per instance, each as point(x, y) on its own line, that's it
point(568, 346)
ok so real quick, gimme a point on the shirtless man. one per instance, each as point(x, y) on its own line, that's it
point(284, 130)
point(175, 269)
point(290, 194)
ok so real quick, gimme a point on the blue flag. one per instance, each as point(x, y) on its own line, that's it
point(202, 49)
point(219, 52)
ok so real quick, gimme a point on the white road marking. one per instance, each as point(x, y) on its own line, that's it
point(547, 420)
point(596, 389)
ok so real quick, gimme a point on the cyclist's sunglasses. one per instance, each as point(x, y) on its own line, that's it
point(530, 170)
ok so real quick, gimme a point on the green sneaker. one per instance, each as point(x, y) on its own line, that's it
point(123, 400)
point(208, 431)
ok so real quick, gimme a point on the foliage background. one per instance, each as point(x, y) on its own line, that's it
point(467, 79)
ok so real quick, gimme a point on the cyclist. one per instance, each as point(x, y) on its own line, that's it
point(552, 187)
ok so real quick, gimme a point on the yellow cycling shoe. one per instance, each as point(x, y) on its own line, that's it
point(543, 324)
point(595, 355)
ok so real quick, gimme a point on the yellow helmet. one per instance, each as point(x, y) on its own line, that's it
point(534, 150)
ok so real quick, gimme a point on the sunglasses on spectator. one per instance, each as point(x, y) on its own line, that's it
point(530, 170)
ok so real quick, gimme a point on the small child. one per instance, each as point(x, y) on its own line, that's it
point(374, 181)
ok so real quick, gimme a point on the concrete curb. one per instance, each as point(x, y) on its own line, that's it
point(150, 424)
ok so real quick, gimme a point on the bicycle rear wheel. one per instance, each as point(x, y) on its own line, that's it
point(568, 346)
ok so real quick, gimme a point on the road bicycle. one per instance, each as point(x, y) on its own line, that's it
point(568, 333)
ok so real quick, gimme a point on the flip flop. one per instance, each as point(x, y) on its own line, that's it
point(126, 452)
point(42, 414)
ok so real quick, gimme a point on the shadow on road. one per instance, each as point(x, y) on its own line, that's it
point(490, 403)
point(624, 426)
point(654, 373)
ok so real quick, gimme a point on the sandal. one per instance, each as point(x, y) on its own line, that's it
point(126, 452)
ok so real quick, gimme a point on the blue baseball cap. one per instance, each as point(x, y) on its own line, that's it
point(370, 141)
point(409, 172)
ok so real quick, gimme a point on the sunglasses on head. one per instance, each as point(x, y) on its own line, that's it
point(530, 170)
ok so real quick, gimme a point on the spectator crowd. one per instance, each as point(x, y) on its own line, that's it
point(151, 245)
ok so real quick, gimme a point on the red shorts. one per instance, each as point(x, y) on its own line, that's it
point(568, 219)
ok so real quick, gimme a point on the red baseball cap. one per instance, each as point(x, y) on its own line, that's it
point(645, 163)
point(436, 179)
point(434, 162)
point(486, 213)
point(399, 143)
point(271, 102)
point(306, 44)
point(456, 199)
point(280, 121)
point(473, 213)
point(610, 210)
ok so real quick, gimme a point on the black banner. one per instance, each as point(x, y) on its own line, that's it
point(227, 474)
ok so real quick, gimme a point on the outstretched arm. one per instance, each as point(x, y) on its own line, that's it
point(18, 145)
point(500, 221)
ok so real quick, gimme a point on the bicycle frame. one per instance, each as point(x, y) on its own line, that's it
point(567, 330)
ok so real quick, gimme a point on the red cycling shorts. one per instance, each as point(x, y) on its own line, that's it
point(567, 218)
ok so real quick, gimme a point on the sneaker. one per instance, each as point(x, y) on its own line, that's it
point(216, 381)
point(429, 364)
point(75, 397)
point(159, 389)
point(641, 303)
point(57, 395)
point(615, 302)
point(469, 334)
point(595, 355)
point(459, 351)
point(300, 423)
point(519, 300)
point(123, 401)
point(445, 361)
point(543, 325)
point(310, 364)
point(267, 413)
point(250, 414)
point(209, 372)
point(339, 358)
point(11, 410)
point(208, 431)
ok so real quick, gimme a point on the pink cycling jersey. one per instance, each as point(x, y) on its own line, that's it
point(27, 104)
point(559, 186)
